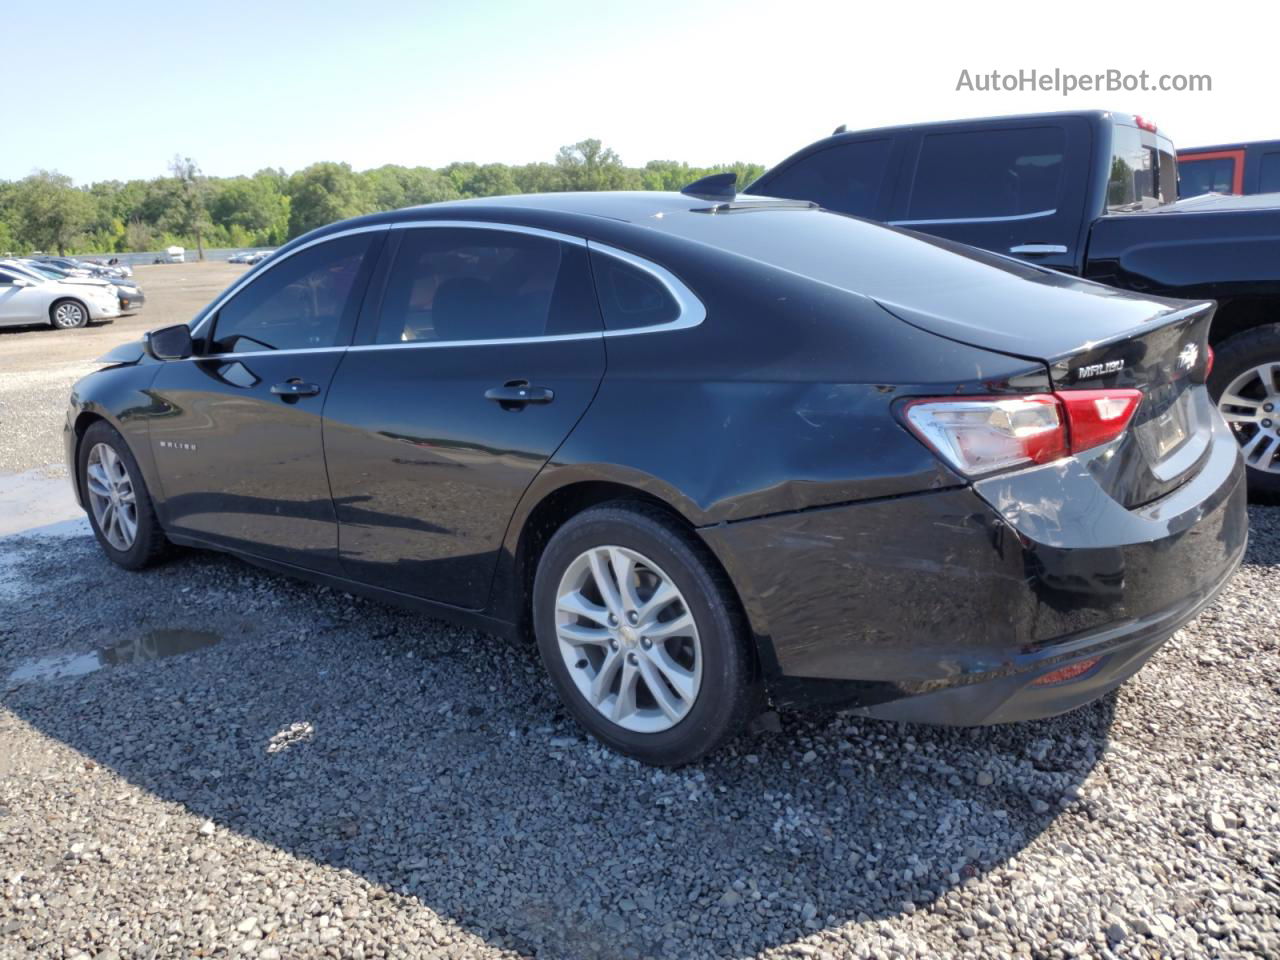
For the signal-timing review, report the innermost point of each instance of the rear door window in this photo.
(988, 173)
(462, 284)
(847, 177)
(1196, 177)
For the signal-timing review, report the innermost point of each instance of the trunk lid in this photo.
(1166, 357)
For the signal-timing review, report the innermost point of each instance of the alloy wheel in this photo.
(111, 496)
(1251, 405)
(628, 639)
(68, 315)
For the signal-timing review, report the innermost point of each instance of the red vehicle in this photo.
(1237, 168)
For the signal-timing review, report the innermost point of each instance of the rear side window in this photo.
(846, 178)
(988, 173)
(631, 297)
(301, 302)
(459, 283)
(1269, 175)
(1196, 177)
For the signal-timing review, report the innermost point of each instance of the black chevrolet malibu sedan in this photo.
(701, 449)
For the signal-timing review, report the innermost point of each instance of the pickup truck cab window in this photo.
(1269, 177)
(1142, 174)
(988, 173)
(848, 177)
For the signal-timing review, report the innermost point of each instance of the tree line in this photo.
(47, 212)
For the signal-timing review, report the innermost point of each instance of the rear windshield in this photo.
(1144, 171)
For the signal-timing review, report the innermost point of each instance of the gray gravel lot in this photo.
(311, 774)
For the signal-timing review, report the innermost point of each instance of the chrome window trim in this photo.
(268, 264)
(491, 225)
(692, 311)
(1019, 216)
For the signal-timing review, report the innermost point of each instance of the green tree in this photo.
(323, 193)
(253, 210)
(51, 213)
(590, 165)
(189, 215)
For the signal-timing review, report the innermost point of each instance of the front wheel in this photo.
(641, 634)
(68, 315)
(119, 505)
(1246, 385)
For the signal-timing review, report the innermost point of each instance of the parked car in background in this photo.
(127, 291)
(61, 304)
(1092, 194)
(241, 257)
(824, 456)
(1239, 168)
(175, 254)
(257, 257)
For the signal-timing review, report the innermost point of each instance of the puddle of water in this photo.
(40, 502)
(149, 646)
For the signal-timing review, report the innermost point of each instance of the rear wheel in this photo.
(119, 505)
(68, 314)
(640, 632)
(1246, 383)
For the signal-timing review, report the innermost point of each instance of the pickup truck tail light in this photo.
(982, 435)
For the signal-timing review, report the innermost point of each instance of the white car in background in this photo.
(63, 304)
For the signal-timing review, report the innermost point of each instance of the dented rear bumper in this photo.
(947, 606)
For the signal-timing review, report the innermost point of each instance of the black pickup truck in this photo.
(1089, 193)
(1229, 168)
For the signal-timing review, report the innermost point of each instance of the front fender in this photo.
(120, 395)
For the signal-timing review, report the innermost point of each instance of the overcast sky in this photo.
(118, 88)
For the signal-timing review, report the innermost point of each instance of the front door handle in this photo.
(1038, 249)
(514, 394)
(291, 390)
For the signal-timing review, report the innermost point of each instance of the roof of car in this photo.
(572, 212)
(1243, 145)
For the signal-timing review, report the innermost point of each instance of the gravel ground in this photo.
(209, 760)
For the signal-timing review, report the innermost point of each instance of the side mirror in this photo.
(170, 343)
(22, 282)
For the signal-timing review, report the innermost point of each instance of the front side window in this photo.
(846, 177)
(988, 173)
(464, 283)
(299, 303)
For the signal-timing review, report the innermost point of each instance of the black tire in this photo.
(68, 307)
(149, 543)
(729, 690)
(1234, 357)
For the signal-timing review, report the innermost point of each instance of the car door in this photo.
(483, 351)
(1017, 189)
(21, 300)
(237, 436)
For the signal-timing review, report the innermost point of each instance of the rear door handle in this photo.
(514, 394)
(291, 390)
(1038, 249)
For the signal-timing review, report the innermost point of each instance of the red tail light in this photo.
(1208, 361)
(981, 435)
(1095, 417)
(1145, 124)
